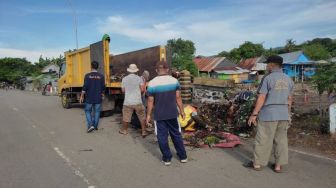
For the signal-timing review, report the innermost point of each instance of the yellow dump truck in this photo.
(78, 63)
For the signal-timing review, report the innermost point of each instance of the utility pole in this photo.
(74, 22)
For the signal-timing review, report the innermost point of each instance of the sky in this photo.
(30, 28)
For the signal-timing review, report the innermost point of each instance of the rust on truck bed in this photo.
(145, 59)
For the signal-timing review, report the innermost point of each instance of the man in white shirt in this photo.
(132, 85)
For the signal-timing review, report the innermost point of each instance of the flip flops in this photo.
(275, 170)
(123, 132)
(250, 165)
(144, 135)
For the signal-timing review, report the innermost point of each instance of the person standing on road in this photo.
(145, 79)
(273, 108)
(132, 85)
(164, 97)
(93, 89)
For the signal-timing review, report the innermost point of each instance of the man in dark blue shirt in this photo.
(93, 89)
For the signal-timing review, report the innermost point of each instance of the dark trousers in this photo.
(171, 127)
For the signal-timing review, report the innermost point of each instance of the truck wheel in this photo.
(65, 100)
(106, 113)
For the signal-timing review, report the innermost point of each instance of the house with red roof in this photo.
(221, 68)
(255, 65)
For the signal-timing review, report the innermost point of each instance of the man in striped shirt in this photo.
(164, 97)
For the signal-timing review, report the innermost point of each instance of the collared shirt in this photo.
(131, 84)
(94, 87)
(277, 87)
(163, 89)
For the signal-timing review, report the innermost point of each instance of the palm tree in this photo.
(290, 45)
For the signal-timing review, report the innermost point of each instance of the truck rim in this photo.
(64, 100)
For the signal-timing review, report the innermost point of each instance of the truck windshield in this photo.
(62, 70)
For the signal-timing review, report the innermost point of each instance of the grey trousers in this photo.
(271, 133)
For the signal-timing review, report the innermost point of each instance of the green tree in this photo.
(224, 54)
(290, 45)
(325, 79)
(270, 52)
(249, 50)
(245, 50)
(12, 69)
(235, 55)
(58, 61)
(316, 52)
(183, 53)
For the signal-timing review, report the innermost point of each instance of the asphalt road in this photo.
(44, 145)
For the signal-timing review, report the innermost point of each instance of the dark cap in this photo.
(274, 59)
(162, 65)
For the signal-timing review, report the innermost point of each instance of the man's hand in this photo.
(148, 119)
(183, 115)
(81, 99)
(252, 120)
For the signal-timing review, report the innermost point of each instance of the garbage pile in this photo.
(217, 124)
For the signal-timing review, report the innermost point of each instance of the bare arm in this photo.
(260, 102)
(81, 99)
(84, 89)
(150, 104)
(179, 103)
(142, 88)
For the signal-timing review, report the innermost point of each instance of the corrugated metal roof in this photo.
(231, 70)
(207, 64)
(291, 57)
(253, 64)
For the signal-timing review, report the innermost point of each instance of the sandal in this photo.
(250, 165)
(144, 135)
(123, 132)
(275, 170)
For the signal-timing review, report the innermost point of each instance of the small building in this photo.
(221, 68)
(255, 65)
(297, 65)
(52, 68)
(235, 73)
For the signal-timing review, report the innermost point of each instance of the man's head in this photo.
(132, 68)
(94, 65)
(274, 62)
(145, 74)
(162, 68)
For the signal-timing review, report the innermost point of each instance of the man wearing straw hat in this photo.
(132, 85)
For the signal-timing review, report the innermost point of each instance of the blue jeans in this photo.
(171, 127)
(92, 113)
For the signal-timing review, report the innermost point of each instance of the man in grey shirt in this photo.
(132, 85)
(273, 111)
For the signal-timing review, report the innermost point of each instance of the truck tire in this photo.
(65, 100)
(108, 106)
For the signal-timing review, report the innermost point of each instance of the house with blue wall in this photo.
(298, 66)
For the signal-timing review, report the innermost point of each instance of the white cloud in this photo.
(221, 28)
(154, 33)
(30, 55)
